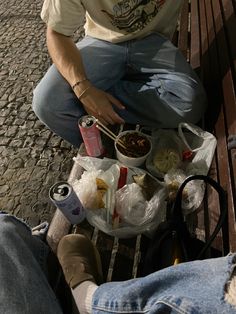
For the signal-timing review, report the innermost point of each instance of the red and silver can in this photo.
(65, 198)
(91, 136)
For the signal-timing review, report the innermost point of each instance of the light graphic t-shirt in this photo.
(110, 20)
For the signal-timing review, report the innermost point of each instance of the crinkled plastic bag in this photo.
(193, 192)
(166, 153)
(131, 209)
(137, 214)
(86, 187)
(149, 216)
(188, 140)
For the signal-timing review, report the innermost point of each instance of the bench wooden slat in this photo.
(183, 36)
(209, 54)
(229, 16)
(226, 72)
(210, 71)
(212, 207)
(195, 36)
(227, 119)
(123, 266)
(105, 243)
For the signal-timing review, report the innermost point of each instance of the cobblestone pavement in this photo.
(31, 157)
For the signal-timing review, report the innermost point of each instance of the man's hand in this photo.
(99, 104)
(68, 61)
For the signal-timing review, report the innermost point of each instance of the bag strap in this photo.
(176, 210)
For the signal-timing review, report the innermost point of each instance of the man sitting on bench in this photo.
(125, 69)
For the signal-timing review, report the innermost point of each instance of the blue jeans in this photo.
(189, 288)
(23, 271)
(196, 287)
(149, 76)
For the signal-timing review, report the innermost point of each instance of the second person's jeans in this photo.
(190, 288)
(149, 76)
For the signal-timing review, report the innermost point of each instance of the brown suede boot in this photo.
(79, 260)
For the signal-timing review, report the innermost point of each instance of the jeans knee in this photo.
(40, 104)
(9, 225)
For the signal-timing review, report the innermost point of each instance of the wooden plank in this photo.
(212, 205)
(105, 245)
(229, 114)
(144, 242)
(183, 38)
(209, 214)
(211, 71)
(203, 30)
(211, 74)
(225, 69)
(195, 36)
(123, 265)
(229, 17)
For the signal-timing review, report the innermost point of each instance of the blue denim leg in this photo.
(55, 103)
(24, 286)
(197, 287)
(161, 89)
(150, 77)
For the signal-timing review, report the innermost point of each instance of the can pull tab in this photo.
(63, 191)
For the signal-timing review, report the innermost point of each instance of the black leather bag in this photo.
(172, 242)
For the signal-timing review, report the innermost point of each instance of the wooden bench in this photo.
(206, 36)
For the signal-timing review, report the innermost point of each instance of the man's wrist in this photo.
(82, 88)
(77, 83)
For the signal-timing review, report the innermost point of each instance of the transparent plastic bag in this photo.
(150, 216)
(173, 147)
(193, 192)
(201, 143)
(193, 149)
(137, 215)
(166, 153)
(87, 186)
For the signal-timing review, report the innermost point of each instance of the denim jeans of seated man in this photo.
(150, 77)
(195, 287)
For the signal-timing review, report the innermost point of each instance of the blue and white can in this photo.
(64, 197)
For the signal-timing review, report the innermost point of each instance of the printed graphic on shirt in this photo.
(134, 15)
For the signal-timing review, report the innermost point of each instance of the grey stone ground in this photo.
(31, 157)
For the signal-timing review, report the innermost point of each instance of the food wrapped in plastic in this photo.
(93, 185)
(139, 211)
(166, 159)
(137, 216)
(193, 192)
(166, 153)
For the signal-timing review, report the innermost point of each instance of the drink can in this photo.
(64, 197)
(91, 136)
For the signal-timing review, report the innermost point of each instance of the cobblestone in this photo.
(31, 157)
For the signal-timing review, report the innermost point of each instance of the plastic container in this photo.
(131, 161)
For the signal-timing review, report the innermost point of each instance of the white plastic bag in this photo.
(151, 216)
(137, 214)
(200, 145)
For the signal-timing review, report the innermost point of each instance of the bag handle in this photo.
(177, 206)
(196, 130)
